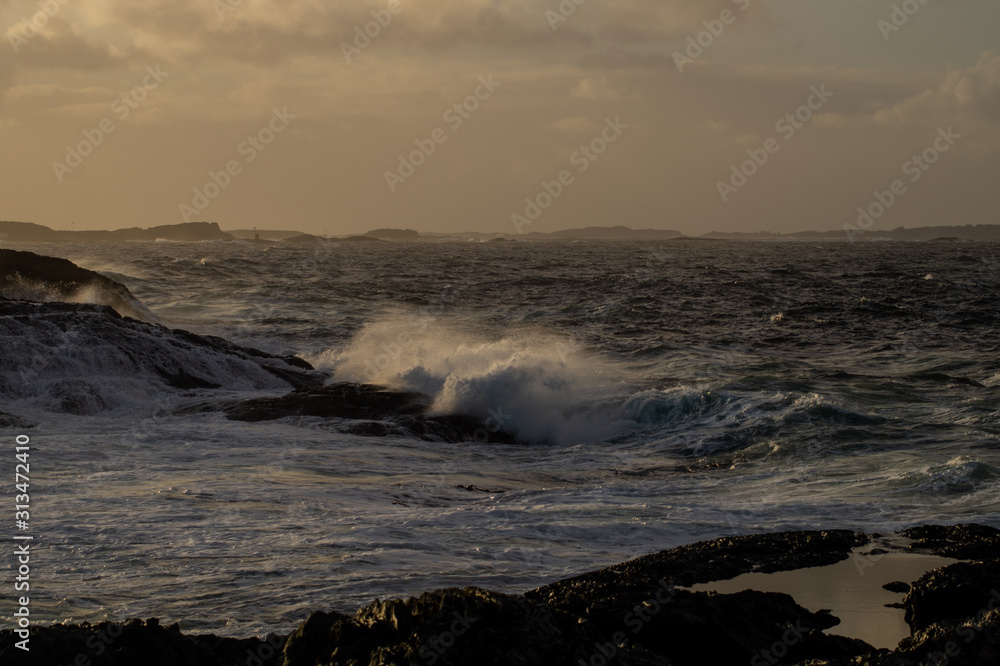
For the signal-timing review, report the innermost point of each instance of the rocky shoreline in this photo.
(637, 613)
(51, 307)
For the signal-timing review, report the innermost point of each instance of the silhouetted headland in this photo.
(26, 232)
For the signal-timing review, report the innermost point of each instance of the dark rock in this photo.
(33, 277)
(85, 359)
(897, 586)
(698, 628)
(953, 592)
(477, 489)
(383, 412)
(454, 428)
(453, 627)
(135, 642)
(13, 422)
(225, 346)
(736, 626)
(77, 396)
(183, 380)
(971, 642)
(959, 541)
(634, 581)
(345, 401)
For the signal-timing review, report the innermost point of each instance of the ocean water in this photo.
(667, 393)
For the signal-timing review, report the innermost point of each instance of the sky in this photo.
(500, 115)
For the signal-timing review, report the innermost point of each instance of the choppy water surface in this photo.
(673, 392)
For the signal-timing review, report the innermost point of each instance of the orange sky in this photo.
(286, 115)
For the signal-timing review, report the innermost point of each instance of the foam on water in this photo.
(544, 386)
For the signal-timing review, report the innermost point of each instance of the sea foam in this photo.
(544, 386)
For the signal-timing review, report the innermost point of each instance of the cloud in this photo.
(58, 101)
(60, 45)
(716, 125)
(973, 92)
(596, 89)
(265, 32)
(969, 97)
(575, 124)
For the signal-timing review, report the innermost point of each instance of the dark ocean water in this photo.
(669, 391)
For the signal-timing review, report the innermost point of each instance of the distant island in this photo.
(968, 232)
(26, 232)
(302, 237)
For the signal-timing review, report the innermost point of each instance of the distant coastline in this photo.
(26, 232)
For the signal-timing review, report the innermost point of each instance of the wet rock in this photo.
(185, 381)
(85, 359)
(344, 401)
(953, 592)
(14, 422)
(77, 396)
(135, 642)
(953, 611)
(897, 586)
(454, 627)
(640, 599)
(455, 428)
(33, 277)
(703, 562)
(296, 372)
(978, 542)
(381, 412)
(974, 641)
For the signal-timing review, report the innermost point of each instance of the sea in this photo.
(662, 392)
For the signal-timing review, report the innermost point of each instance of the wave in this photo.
(25, 276)
(91, 294)
(543, 386)
(549, 387)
